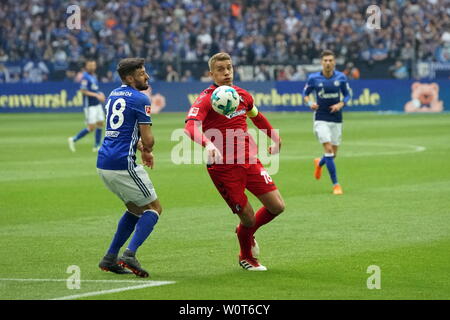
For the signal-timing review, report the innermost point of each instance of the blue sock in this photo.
(124, 230)
(322, 161)
(331, 168)
(98, 136)
(81, 134)
(143, 229)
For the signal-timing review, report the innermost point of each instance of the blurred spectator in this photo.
(3, 56)
(407, 52)
(399, 70)
(443, 52)
(299, 74)
(205, 77)
(236, 9)
(289, 72)
(35, 71)
(109, 77)
(171, 74)
(351, 71)
(4, 74)
(379, 53)
(187, 76)
(272, 32)
(262, 73)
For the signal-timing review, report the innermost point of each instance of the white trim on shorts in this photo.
(327, 131)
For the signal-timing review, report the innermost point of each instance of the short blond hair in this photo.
(221, 56)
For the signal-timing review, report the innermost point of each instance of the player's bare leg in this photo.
(335, 150)
(273, 202)
(247, 216)
(273, 205)
(71, 140)
(328, 147)
(148, 216)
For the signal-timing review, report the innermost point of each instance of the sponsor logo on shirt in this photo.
(112, 134)
(148, 110)
(193, 112)
(324, 95)
(236, 113)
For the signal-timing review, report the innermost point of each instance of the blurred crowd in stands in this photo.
(178, 36)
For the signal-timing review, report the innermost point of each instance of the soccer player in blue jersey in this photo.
(328, 86)
(128, 128)
(92, 103)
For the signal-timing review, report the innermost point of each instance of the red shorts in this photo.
(232, 180)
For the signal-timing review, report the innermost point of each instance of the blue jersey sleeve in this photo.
(345, 89)
(143, 110)
(84, 84)
(309, 86)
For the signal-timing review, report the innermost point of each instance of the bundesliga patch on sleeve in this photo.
(193, 112)
(148, 110)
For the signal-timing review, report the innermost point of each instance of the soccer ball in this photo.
(225, 100)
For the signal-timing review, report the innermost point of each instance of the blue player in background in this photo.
(128, 128)
(92, 103)
(328, 86)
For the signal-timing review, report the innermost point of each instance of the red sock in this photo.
(262, 217)
(245, 240)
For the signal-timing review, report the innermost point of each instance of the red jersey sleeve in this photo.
(247, 99)
(198, 112)
(199, 108)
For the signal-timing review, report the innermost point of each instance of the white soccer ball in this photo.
(225, 100)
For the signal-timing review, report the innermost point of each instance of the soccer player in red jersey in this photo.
(232, 161)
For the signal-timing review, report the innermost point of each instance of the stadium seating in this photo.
(36, 45)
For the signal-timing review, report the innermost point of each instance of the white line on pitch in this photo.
(97, 293)
(349, 154)
(64, 280)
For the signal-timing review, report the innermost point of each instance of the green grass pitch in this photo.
(395, 214)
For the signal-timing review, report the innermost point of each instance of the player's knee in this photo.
(247, 218)
(156, 207)
(278, 208)
(91, 127)
(248, 222)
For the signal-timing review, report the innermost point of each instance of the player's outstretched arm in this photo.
(193, 131)
(100, 96)
(261, 122)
